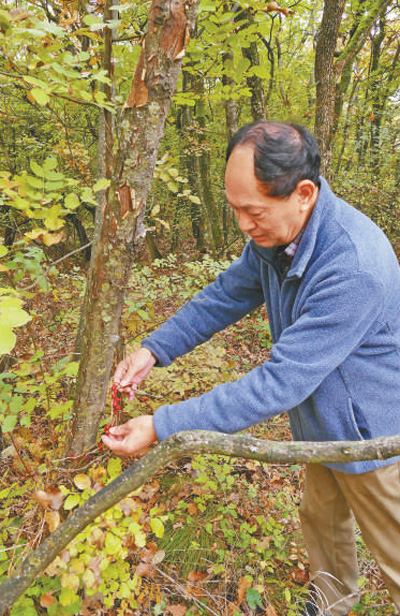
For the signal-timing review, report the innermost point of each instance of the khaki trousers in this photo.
(330, 503)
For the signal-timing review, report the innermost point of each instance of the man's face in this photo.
(270, 221)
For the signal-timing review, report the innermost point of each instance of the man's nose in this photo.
(246, 222)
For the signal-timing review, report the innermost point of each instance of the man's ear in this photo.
(307, 193)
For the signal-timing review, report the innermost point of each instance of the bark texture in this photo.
(179, 445)
(141, 128)
(325, 78)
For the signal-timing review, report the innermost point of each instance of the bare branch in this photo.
(179, 445)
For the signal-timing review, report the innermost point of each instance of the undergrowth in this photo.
(208, 535)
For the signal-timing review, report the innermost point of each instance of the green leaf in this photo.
(53, 176)
(114, 467)
(157, 527)
(34, 182)
(40, 96)
(67, 596)
(5, 21)
(51, 27)
(49, 164)
(11, 313)
(72, 201)
(37, 169)
(3, 250)
(50, 186)
(253, 598)
(52, 220)
(194, 199)
(89, 20)
(112, 544)
(137, 532)
(100, 97)
(71, 369)
(101, 185)
(72, 501)
(9, 423)
(33, 81)
(7, 339)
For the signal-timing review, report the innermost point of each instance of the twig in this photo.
(29, 471)
(51, 265)
(184, 591)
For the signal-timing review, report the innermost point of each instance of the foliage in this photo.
(236, 523)
(47, 196)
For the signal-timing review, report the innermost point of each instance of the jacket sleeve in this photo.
(333, 322)
(234, 293)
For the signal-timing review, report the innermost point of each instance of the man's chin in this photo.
(263, 241)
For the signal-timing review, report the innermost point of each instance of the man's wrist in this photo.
(151, 354)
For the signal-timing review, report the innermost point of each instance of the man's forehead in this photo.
(246, 206)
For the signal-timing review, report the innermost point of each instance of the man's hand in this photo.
(131, 438)
(132, 370)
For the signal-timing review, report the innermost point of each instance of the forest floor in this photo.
(230, 543)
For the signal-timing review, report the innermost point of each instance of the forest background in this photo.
(89, 160)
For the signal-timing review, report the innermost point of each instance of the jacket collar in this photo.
(309, 239)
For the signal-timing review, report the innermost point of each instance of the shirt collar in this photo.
(291, 248)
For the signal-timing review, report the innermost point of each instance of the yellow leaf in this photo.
(82, 481)
(53, 520)
(49, 239)
(70, 580)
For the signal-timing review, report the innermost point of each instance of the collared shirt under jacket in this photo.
(335, 324)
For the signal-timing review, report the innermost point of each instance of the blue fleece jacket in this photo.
(335, 324)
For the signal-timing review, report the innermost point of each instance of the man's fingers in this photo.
(119, 372)
(121, 430)
(131, 377)
(117, 446)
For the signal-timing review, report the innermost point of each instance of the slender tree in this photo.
(140, 130)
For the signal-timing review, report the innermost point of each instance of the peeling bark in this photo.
(140, 131)
(179, 445)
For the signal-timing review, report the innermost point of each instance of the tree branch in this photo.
(358, 38)
(179, 445)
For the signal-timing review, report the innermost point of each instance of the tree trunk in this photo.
(152, 248)
(81, 233)
(141, 128)
(105, 162)
(186, 128)
(230, 107)
(378, 101)
(202, 165)
(325, 79)
(255, 84)
(180, 445)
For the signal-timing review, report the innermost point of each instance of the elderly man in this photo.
(331, 284)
